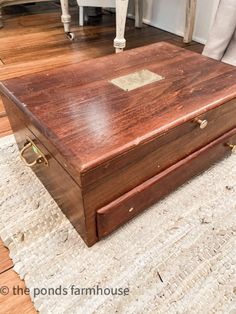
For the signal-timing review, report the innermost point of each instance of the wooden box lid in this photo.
(90, 120)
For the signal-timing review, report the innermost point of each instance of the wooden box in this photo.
(111, 136)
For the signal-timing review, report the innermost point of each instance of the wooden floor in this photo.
(33, 40)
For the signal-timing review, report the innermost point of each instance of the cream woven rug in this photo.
(177, 257)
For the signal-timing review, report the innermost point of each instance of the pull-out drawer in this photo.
(116, 213)
(136, 166)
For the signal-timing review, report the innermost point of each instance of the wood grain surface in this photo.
(55, 178)
(109, 140)
(137, 165)
(41, 28)
(91, 121)
(130, 204)
(31, 55)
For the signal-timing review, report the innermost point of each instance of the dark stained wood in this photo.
(155, 156)
(123, 173)
(94, 114)
(57, 181)
(20, 57)
(130, 204)
(34, 28)
(108, 140)
(43, 32)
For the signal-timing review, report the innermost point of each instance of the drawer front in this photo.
(142, 163)
(113, 215)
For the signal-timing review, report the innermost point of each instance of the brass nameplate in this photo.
(137, 79)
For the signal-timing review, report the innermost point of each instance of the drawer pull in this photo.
(202, 123)
(41, 159)
(232, 146)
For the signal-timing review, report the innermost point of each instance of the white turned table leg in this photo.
(190, 20)
(1, 20)
(121, 13)
(81, 16)
(138, 13)
(66, 18)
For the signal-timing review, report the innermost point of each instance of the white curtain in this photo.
(221, 44)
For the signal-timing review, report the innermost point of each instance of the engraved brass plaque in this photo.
(137, 79)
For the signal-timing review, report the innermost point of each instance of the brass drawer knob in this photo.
(40, 159)
(131, 209)
(202, 123)
(233, 147)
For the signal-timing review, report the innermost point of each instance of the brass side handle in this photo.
(40, 159)
(202, 123)
(232, 146)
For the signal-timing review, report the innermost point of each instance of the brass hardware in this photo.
(202, 123)
(232, 146)
(131, 209)
(135, 80)
(41, 159)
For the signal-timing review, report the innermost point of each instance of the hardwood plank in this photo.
(44, 32)
(2, 109)
(5, 260)
(5, 128)
(14, 304)
(30, 67)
